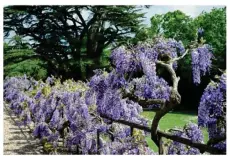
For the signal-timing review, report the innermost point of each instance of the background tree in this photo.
(72, 38)
(175, 25)
(141, 35)
(156, 25)
(214, 25)
(17, 60)
(180, 26)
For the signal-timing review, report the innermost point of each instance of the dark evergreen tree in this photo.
(71, 39)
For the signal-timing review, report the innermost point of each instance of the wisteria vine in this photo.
(64, 111)
(70, 114)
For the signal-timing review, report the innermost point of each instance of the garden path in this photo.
(18, 140)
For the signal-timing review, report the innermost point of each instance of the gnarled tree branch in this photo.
(214, 141)
(180, 57)
(143, 102)
(200, 146)
(174, 100)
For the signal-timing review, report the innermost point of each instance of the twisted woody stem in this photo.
(174, 100)
(166, 106)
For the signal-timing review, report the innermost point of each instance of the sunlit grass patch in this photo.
(172, 120)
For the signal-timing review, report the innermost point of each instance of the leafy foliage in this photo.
(175, 25)
(72, 38)
(214, 25)
(180, 26)
(17, 61)
(75, 111)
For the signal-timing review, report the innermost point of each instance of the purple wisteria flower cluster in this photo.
(124, 60)
(71, 111)
(191, 131)
(129, 59)
(201, 62)
(143, 57)
(74, 112)
(212, 110)
(109, 99)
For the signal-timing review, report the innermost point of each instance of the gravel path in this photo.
(18, 141)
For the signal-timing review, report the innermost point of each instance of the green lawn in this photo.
(172, 120)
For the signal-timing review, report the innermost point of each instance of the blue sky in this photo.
(191, 10)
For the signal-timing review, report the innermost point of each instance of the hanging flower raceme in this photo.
(124, 60)
(201, 62)
(58, 110)
(212, 110)
(190, 131)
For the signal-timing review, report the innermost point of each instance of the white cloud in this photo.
(193, 11)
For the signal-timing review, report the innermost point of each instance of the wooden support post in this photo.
(112, 138)
(98, 142)
(79, 148)
(131, 130)
(111, 135)
(161, 146)
(78, 152)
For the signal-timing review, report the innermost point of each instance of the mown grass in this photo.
(172, 120)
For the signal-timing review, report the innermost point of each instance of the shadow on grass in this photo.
(184, 112)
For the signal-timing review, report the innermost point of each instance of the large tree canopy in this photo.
(214, 25)
(70, 38)
(180, 26)
(17, 60)
(175, 24)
